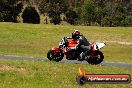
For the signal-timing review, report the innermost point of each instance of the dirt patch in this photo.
(13, 68)
(124, 43)
(118, 42)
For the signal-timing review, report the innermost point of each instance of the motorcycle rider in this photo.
(83, 44)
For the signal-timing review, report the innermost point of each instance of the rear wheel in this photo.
(97, 58)
(55, 56)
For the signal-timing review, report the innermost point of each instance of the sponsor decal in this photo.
(83, 78)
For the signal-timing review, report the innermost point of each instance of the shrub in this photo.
(56, 19)
(71, 17)
(30, 15)
(118, 19)
(9, 10)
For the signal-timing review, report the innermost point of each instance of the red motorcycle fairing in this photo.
(72, 43)
(92, 46)
(56, 49)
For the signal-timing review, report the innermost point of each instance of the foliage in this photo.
(100, 11)
(128, 21)
(85, 12)
(106, 12)
(30, 15)
(53, 8)
(88, 12)
(71, 16)
(56, 19)
(106, 21)
(9, 10)
(118, 19)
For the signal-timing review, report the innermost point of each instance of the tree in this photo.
(56, 19)
(106, 21)
(129, 9)
(53, 8)
(100, 13)
(71, 16)
(128, 21)
(121, 13)
(75, 3)
(9, 10)
(118, 19)
(103, 12)
(88, 12)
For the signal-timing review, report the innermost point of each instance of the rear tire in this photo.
(96, 59)
(52, 56)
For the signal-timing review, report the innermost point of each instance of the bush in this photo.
(30, 15)
(88, 12)
(127, 21)
(56, 19)
(9, 10)
(106, 21)
(71, 17)
(54, 8)
(118, 19)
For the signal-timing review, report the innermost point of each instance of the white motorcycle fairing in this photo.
(98, 45)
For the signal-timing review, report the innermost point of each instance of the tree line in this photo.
(110, 13)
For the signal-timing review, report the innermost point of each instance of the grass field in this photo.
(41, 74)
(36, 40)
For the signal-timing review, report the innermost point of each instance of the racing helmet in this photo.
(76, 34)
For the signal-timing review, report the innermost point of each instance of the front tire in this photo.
(55, 56)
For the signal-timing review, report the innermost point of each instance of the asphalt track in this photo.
(104, 63)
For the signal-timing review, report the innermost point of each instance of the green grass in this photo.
(36, 40)
(42, 74)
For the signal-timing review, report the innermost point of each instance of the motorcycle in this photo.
(67, 48)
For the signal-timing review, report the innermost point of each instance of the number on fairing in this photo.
(61, 42)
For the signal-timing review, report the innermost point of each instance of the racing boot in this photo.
(82, 56)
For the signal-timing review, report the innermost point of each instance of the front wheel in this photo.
(55, 56)
(97, 58)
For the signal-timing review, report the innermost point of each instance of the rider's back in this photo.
(83, 41)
